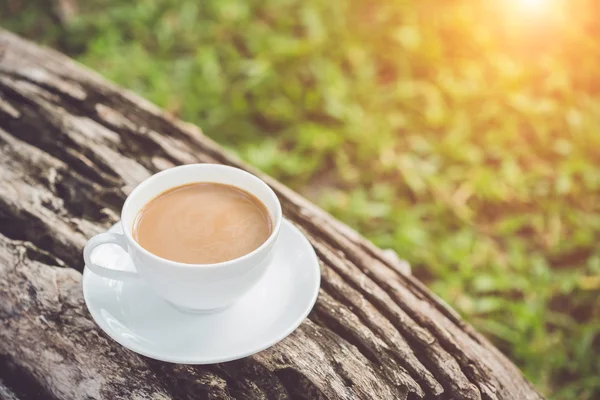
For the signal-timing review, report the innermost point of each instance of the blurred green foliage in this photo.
(462, 134)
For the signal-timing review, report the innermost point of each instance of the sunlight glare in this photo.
(533, 3)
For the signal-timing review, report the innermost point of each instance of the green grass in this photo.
(463, 134)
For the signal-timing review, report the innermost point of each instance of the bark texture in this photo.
(72, 146)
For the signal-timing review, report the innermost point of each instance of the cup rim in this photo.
(248, 175)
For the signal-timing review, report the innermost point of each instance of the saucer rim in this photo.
(195, 361)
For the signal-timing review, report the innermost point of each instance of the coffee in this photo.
(202, 223)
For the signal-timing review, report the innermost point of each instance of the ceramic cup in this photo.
(200, 288)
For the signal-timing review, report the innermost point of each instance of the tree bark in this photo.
(72, 146)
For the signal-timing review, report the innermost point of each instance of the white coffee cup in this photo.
(191, 287)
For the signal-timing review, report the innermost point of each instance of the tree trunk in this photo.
(72, 146)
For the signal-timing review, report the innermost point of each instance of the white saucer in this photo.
(131, 314)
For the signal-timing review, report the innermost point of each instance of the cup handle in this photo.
(99, 240)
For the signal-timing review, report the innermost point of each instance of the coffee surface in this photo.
(202, 223)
